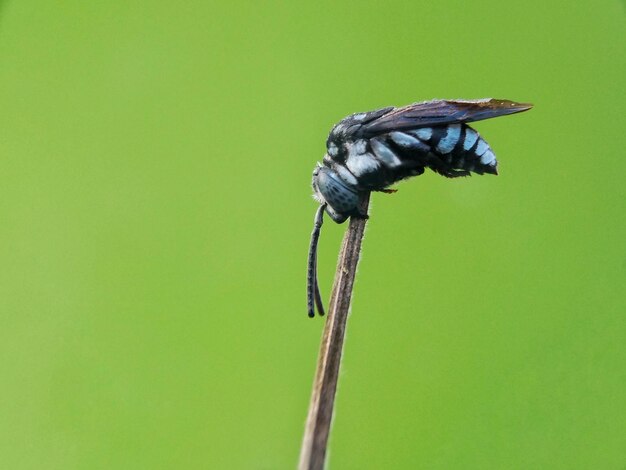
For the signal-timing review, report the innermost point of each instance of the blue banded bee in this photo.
(370, 151)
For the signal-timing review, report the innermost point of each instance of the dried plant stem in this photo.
(313, 452)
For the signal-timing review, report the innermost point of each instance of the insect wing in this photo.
(439, 112)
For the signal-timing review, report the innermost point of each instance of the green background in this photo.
(155, 213)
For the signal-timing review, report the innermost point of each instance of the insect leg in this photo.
(453, 173)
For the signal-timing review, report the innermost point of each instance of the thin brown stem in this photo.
(313, 452)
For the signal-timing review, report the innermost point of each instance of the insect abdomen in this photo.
(461, 148)
(372, 164)
(453, 150)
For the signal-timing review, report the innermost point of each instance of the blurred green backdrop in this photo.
(155, 212)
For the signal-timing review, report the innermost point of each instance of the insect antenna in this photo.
(312, 288)
(318, 296)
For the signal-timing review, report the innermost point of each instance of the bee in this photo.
(372, 150)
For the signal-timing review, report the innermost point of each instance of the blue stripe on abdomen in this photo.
(450, 139)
